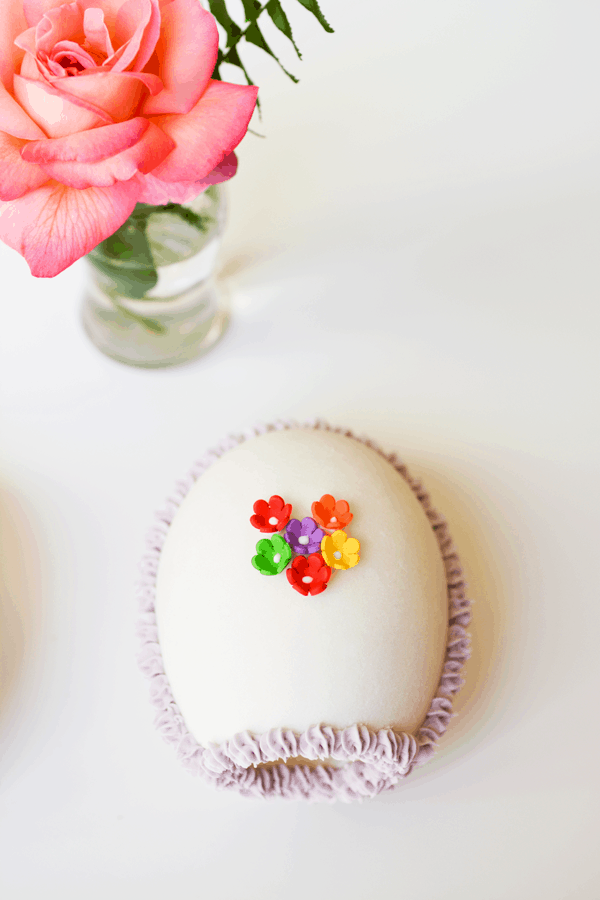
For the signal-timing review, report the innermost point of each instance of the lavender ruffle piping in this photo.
(371, 761)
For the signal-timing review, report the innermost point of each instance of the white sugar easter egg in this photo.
(272, 691)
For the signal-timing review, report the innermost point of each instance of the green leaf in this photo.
(216, 74)
(279, 18)
(233, 59)
(152, 325)
(219, 11)
(254, 36)
(188, 215)
(131, 282)
(231, 28)
(313, 7)
(252, 33)
(125, 257)
(252, 9)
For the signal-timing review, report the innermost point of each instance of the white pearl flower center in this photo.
(333, 519)
(303, 540)
(277, 558)
(273, 520)
(307, 579)
(337, 555)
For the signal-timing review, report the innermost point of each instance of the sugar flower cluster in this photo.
(319, 542)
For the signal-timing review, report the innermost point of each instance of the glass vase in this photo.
(151, 297)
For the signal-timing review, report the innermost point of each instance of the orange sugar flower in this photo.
(331, 514)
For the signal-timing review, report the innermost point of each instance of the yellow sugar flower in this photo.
(339, 551)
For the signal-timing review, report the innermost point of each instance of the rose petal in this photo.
(26, 41)
(54, 111)
(208, 133)
(30, 68)
(110, 8)
(17, 177)
(129, 15)
(55, 225)
(142, 157)
(96, 33)
(155, 191)
(136, 32)
(88, 146)
(34, 66)
(152, 82)
(187, 52)
(12, 23)
(35, 9)
(70, 50)
(118, 94)
(64, 23)
(14, 120)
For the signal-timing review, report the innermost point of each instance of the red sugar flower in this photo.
(331, 515)
(272, 516)
(309, 574)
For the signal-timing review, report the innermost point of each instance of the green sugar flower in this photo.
(272, 555)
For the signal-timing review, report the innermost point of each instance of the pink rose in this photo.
(104, 103)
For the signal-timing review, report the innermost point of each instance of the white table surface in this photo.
(412, 252)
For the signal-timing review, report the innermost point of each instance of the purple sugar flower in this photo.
(304, 537)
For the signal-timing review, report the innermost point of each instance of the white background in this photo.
(412, 252)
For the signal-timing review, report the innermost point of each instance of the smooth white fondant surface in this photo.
(244, 651)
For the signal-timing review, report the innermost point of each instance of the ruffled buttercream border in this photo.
(365, 762)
